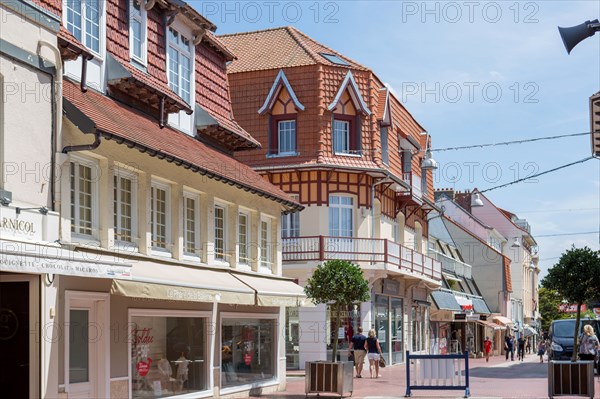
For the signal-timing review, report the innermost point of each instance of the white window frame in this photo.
(220, 257)
(290, 141)
(278, 354)
(158, 185)
(287, 221)
(340, 207)
(244, 260)
(266, 245)
(133, 312)
(95, 214)
(195, 197)
(336, 139)
(133, 177)
(83, 36)
(142, 19)
(181, 50)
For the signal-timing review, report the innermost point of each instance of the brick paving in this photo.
(496, 379)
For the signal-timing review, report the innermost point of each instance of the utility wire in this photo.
(511, 142)
(566, 234)
(537, 174)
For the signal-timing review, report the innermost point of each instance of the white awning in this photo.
(178, 283)
(274, 291)
(502, 320)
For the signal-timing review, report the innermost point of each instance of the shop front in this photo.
(389, 319)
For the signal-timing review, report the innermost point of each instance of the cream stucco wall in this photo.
(111, 158)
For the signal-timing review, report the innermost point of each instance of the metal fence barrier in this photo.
(437, 372)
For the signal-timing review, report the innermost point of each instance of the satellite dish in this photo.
(573, 35)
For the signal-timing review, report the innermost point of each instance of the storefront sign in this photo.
(568, 308)
(460, 316)
(66, 265)
(17, 226)
(391, 287)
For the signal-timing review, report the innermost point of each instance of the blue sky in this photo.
(473, 73)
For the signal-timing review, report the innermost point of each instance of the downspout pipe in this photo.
(57, 89)
(84, 147)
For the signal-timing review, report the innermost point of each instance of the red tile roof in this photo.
(153, 83)
(212, 91)
(278, 48)
(128, 126)
(69, 46)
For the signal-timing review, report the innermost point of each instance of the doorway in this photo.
(86, 344)
(18, 320)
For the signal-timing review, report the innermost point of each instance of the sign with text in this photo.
(569, 308)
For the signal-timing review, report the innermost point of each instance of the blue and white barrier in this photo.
(437, 372)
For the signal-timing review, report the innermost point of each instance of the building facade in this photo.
(151, 260)
(520, 246)
(338, 140)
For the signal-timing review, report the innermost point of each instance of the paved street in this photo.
(496, 379)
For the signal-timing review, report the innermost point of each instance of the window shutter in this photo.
(384, 145)
(273, 136)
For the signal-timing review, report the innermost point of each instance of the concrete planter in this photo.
(329, 377)
(571, 378)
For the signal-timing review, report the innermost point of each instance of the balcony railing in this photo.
(452, 265)
(322, 248)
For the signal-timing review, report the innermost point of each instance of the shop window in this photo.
(349, 323)
(168, 353)
(248, 351)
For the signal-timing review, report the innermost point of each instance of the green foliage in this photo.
(337, 282)
(549, 302)
(575, 279)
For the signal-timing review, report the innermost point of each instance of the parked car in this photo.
(561, 337)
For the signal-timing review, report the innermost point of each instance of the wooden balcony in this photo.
(379, 252)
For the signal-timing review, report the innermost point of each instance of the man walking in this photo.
(358, 344)
(509, 346)
(521, 348)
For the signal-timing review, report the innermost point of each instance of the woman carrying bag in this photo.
(373, 353)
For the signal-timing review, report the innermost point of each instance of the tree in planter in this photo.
(338, 283)
(575, 279)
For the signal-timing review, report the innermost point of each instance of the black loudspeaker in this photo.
(573, 35)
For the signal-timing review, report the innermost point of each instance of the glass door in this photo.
(382, 324)
(397, 330)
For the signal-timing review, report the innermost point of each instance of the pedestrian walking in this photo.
(541, 350)
(528, 345)
(509, 347)
(373, 352)
(588, 344)
(357, 343)
(521, 348)
(487, 348)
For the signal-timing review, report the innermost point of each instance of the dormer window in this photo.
(283, 106)
(83, 21)
(138, 37)
(180, 64)
(348, 106)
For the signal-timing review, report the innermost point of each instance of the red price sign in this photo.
(248, 359)
(143, 367)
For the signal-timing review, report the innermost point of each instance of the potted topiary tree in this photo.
(338, 283)
(575, 279)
